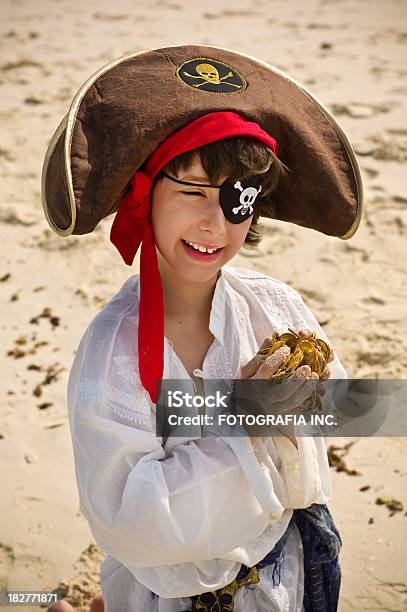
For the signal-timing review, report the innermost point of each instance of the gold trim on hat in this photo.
(53, 142)
(68, 123)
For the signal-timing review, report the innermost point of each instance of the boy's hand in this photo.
(264, 367)
(286, 397)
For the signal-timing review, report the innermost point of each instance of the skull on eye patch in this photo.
(237, 198)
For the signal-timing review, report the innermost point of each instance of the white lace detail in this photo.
(138, 418)
(90, 389)
(127, 367)
(118, 401)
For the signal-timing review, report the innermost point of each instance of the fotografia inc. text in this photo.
(249, 420)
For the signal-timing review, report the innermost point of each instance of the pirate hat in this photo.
(126, 109)
(136, 114)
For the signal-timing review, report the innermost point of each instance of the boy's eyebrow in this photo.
(183, 182)
(191, 177)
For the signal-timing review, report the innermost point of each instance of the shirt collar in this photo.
(217, 316)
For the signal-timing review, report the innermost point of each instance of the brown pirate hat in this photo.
(124, 111)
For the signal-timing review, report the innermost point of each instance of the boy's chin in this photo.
(198, 275)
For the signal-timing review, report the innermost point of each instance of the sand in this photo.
(351, 54)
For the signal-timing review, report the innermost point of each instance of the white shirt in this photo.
(181, 519)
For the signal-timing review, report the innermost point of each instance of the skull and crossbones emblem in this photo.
(246, 198)
(209, 74)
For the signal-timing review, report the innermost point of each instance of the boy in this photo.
(184, 520)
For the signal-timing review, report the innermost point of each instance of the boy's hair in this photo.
(237, 158)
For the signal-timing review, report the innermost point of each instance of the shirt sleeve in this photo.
(304, 470)
(146, 509)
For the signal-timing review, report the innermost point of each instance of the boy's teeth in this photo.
(200, 248)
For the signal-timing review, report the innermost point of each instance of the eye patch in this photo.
(237, 198)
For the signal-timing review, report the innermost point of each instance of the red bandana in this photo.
(132, 226)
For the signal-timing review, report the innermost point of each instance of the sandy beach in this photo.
(352, 55)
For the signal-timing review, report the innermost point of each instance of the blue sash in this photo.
(321, 544)
(322, 574)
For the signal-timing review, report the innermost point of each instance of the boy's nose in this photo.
(213, 220)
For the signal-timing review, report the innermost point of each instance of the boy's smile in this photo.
(190, 229)
(202, 252)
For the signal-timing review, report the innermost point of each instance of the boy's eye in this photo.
(193, 193)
